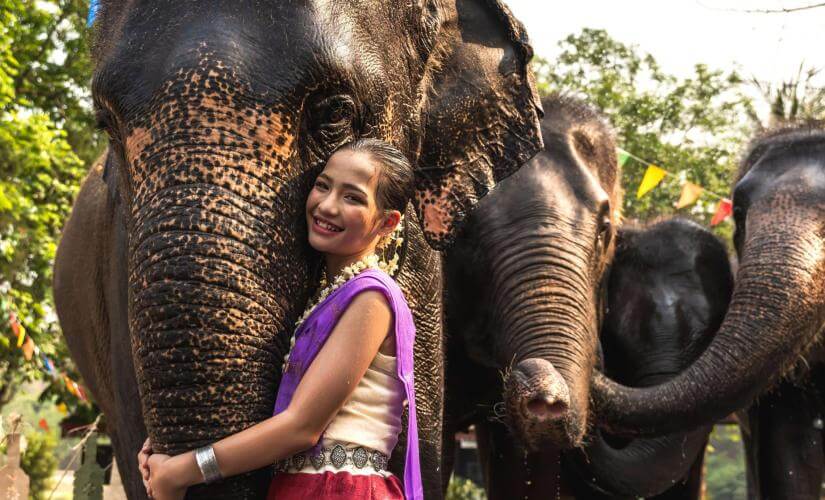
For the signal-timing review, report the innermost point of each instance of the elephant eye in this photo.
(605, 226)
(334, 111)
(105, 122)
(738, 214)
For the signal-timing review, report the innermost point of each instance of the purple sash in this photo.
(314, 331)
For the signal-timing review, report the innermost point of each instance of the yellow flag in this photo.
(21, 336)
(653, 176)
(690, 193)
(62, 408)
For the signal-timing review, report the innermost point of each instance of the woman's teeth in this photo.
(327, 226)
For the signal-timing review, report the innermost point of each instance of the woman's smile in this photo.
(324, 227)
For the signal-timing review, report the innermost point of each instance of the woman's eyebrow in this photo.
(353, 187)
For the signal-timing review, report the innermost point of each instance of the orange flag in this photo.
(43, 424)
(28, 349)
(69, 385)
(723, 211)
(690, 193)
(653, 176)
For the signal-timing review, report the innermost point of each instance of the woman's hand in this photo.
(143, 464)
(164, 480)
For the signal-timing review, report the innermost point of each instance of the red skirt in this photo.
(334, 486)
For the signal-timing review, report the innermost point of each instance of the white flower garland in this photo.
(371, 261)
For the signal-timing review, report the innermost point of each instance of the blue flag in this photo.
(94, 6)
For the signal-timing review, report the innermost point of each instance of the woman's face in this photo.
(341, 210)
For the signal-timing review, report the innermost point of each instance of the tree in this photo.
(796, 99)
(46, 138)
(692, 127)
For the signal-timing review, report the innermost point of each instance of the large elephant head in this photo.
(669, 288)
(777, 311)
(525, 276)
(221, 113)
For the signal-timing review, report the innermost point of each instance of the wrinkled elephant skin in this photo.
(219, 116)
(776, 317)
(524, 285)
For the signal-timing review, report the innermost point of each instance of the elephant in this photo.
(771, 337)
(669, 288)
(524, 287)
(782, 433)
(184, 263)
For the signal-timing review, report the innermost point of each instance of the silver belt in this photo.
(337, 456)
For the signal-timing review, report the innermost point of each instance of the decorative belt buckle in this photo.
(318, 458)
(379, 461)
(338, 456)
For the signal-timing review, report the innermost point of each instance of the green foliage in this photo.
(725, 464)
(46, 139)
(39, 463)
(464, 489)
(693, 127)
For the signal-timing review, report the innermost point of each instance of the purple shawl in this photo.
(314, 331)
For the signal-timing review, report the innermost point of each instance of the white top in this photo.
(371, 417)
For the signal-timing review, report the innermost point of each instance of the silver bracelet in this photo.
(208, 464)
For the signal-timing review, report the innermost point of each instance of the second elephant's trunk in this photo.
(645, 467)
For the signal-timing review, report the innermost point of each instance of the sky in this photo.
(681, 33)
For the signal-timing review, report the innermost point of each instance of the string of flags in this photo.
(691, 192)
(31, 351)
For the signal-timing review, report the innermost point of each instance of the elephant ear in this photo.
(481, 116)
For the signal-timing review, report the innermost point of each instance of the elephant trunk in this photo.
(645, 467)
(205, 316)
(775, 315)
(545, 307)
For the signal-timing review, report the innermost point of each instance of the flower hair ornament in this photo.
(386, 258)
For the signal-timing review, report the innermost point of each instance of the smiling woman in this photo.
(335, 424)
(342, 206)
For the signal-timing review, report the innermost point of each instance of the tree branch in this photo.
(767, 11)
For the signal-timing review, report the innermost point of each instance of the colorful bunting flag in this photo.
(69, 385)
(48, 364)
(76, 389)
(94, 7)
(28, 349)
(43, 424)
(21, 336)
(15, 326)
(62, 408)
(723, 210)
(653, 176)
(623, 157)
(690, 193)
(81, 393)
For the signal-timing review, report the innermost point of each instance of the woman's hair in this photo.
(395, 174)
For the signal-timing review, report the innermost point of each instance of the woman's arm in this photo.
(325, 387)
